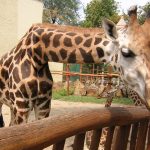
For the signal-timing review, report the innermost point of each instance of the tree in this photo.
(61, 11)
(143, 12)
(96, 10)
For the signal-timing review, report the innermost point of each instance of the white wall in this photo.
(16, 17)
(8, 25)
(29, 12)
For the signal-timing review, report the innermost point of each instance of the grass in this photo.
(62, 95)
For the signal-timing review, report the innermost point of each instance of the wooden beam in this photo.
(42, 133)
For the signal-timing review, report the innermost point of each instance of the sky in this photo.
(123, 4)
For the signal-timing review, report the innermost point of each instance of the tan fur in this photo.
(67, 28)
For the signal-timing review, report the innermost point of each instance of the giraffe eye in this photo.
(127, 52)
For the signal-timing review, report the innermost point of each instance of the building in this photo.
(16, 17)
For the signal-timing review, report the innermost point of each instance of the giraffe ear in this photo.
(110, 29)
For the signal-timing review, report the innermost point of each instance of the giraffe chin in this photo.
(147, 104)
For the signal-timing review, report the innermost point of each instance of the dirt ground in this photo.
(58, 107)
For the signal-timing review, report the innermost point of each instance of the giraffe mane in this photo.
(75, 29)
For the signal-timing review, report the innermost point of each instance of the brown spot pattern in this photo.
(46, 39)
(11, 67)
(8, 62)
(88, 42)
(20, 55)
(20, 120)
(33, 88)
(45, 58)
(87, 56)
(38, 51)
(97, 41)
(45, 87)
(11, 95)
(67, 42)
(18, 94)
(39, 31)
(100, 52)
(24, 91)
(78, 40)
(7, 94)
(4, 73)
(54, 56)
(28, 40)
(63, 53)
(2, 85)
(46, 105)
(36, 39)
(41, 100)
(38, 61)
(72, 57)
(18, 46)
(48, 73)
(24, 104)
(25, 69)
(71, 33)
(56, 42)
(105, 43)
(16, 75)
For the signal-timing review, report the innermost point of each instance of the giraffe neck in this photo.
(72, 45)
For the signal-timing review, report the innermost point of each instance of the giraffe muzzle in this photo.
(148, 104)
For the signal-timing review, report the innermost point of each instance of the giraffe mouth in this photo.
(148, 104)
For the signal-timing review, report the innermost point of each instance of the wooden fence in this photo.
(132, 123)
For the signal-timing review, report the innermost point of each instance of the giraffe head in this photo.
(133, 53)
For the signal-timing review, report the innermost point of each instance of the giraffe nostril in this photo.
(104, 60)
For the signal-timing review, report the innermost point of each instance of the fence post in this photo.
(122, 138)
(59, 145)
(141, 138)
(79, 141)
(67, 76)
(95, 139)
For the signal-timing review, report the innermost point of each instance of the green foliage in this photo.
(96, 10)
(88, 99)
(61, 11)
(144, 10)
(63, 92)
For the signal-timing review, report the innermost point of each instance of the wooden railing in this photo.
(132, 126)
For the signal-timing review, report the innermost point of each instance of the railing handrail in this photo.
(45, 132)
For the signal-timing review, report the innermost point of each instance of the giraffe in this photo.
(25, 79)
(117, 64)
(110, 95)
(132, 56)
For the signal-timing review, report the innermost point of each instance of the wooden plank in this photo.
(59, 145)
(45, 132)
(122, 138)
(95, 139)
(109, 138)
(141, 138)
(148, 137)
(79, 142)
(133, 136)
